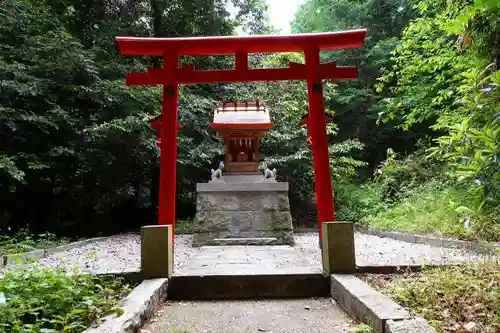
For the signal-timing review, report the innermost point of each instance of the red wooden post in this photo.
(156, 125)
(305, 122)
(168, 156)
(317, 131)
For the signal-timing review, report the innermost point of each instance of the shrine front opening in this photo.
(171, 76)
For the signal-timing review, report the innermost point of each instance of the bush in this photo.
(49, 301)
(430, 208)
(354, 202)
(416, 194)
(396, 176)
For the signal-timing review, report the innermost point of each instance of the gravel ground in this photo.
(378, 251)
(122, 253)
(114, 254)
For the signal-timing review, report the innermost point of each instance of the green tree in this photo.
(76, 147)
(446, 72)
(355, 101)
(64, 126)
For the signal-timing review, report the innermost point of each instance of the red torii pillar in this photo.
(170, 76)
(305, 122)
(156, 125)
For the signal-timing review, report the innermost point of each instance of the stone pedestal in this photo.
(339, 255)
(156, 251)
(241, 213)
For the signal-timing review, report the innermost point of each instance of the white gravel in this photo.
(122, 253)
(114, 254)
(378, 251)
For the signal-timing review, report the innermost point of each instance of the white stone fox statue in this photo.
(268, 174)
(217, 174)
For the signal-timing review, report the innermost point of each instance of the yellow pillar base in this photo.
(338, 247)
(157, 259)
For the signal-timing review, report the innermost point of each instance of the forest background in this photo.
(414, 142)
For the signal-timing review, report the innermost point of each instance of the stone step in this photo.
(281, 284)
(246, 272)
(245, 241)
(319, 315)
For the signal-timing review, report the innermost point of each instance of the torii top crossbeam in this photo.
(193, 46)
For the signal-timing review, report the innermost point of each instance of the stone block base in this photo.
(243, 214)
(156, 251)
(338, 247)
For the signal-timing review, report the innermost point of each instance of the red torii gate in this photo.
(170, 76)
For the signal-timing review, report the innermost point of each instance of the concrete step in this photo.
(245, 272)
(292, 283)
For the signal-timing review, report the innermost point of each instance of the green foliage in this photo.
(446, 72)
(416, 195)
(184, 227)
(25, 242)
(473, 146)
(426, 56)
(355, 202)
(354, 102)
(363, 328)
(46, 300)
(395, 176)
(65, 125)
(434, 66)
(395, 179)
(453, 299)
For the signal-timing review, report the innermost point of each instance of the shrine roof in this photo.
(237, 114)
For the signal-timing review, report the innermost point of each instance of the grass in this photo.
(49, 301)
(452, 299)
(431, 208)
(25, 242)
(427, 210)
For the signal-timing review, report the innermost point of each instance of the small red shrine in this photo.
(241, 125)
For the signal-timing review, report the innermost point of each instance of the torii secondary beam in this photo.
(188, 75)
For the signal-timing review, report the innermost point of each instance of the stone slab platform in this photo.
(239, 272)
